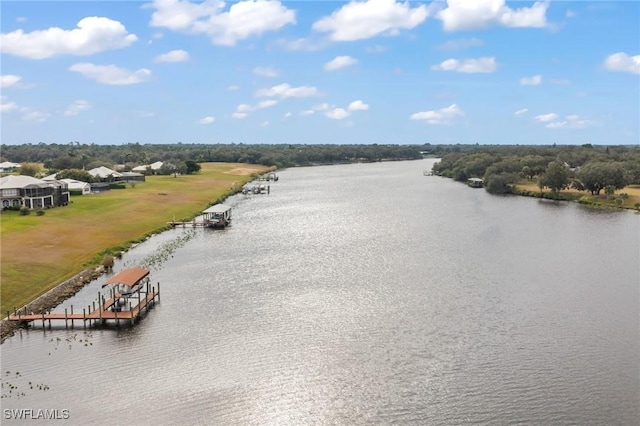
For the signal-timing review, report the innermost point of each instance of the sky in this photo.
(320, 72)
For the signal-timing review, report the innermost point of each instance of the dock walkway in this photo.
(109, 309)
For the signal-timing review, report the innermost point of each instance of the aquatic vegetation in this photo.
(11, 388)
(166, 250)
(71, 339)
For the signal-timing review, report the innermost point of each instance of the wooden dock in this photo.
(114, 309)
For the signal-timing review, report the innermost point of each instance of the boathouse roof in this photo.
(128, 277)
(218, 208)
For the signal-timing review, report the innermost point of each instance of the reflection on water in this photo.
(363, 294)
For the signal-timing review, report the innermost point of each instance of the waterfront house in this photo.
(17, 191)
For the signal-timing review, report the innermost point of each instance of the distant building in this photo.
(105, 174)
(17, 191)
(77, 185)
(132, 177)
(8, 167)
(146, 168)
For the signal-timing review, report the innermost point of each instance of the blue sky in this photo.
(375, 71)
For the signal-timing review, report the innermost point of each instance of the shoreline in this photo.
(51, 299)
(68, 288)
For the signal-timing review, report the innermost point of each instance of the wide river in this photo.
(362, 294)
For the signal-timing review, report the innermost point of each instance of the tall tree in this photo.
(556, 177)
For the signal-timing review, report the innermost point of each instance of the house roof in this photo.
(72, 183)
(103, 172)
(152, 166)
(8, 165)
(218, 208)
(128, 277)
(50, 177)
(17, 182)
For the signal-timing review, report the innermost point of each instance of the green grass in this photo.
(39, 252)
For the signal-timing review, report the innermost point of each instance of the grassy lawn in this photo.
(632, 190)
(39, 252)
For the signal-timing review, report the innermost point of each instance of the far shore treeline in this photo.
(582, 168)
(76, 155)
(587, 167)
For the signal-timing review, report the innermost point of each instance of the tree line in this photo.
(76, 155)
(585, 168)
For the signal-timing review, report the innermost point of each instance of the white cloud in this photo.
(570, 14)
(266, 72)
(264, 123)
(544, 118)
(243, 20)
(284, 90)
(286, 116)
(267, 103)
(34, 116)
(360, 20)
(571, 122)
(322, 107)
(111, 74)
(9, 80)
(461, 44)
(622, 62)
(337, 113)
(207, 120)
(94, 34)
(480, 65)
(561, 81)
(173, 56)
(358, 106)
(441, 116)
(233, 88)
(76, 107)
(307, 112)
(521, 111)
(339, 62)
(244, 108)
(6, 105)
(301, 44)
(531, 81)
(479, 14)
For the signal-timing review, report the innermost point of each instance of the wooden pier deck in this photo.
(103, 312)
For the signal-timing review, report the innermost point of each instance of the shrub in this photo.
(24, 211)
(108, 261)
(39, 212)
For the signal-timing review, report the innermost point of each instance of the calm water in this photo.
(366, 294)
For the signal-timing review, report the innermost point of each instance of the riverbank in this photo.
(51, 299)
(531, 189)
(40, 252)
